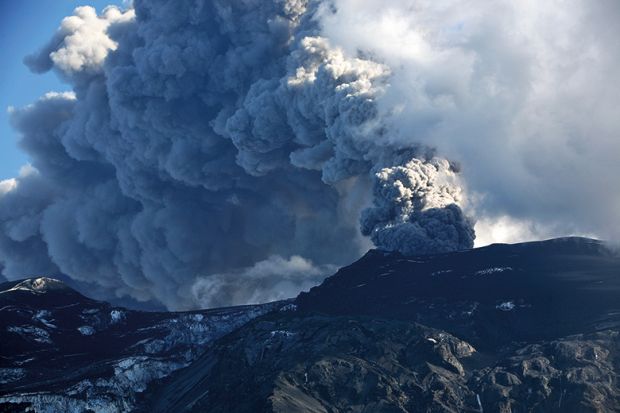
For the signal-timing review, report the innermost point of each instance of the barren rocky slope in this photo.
(507, 328)
(530, 327)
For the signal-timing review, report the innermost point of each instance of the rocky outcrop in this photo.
(342, 364)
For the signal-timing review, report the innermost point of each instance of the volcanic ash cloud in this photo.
(207, 139)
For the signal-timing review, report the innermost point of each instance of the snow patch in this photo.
(10, 375)
(281, 333)
(38, 285)
(50, 403)
(197, 317)
(439, 272)
(22, 362)
(479, 403)
(116, 316)
(31, 333)
(136, 372)
(44, 317)
(289, 307)
(86, 330)
(506, 306)
(493, 270)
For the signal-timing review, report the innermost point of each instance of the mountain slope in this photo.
(61, 351)
(491, 295)
(528, 327)
(508, 328)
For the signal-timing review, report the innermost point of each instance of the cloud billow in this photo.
(200, 139)
(208, 144)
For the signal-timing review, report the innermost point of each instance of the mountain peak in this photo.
(39, 292)
(38, 285)
(488, 295)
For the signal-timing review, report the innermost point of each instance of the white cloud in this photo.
(275, 278)
(524, 95)
(505, 229)
(7, 186)
(87, 44)
(81, 43)
(68, 95)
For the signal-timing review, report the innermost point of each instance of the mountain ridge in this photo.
(378, 336)
(507, 327)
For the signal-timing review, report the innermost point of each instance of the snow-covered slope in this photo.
(63, 352)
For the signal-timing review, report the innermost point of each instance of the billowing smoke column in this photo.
(415, 209)
(215, 152)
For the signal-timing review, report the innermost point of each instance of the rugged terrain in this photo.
(63, 352)
(528, 327)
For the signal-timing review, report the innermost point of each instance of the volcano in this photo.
(505, 328)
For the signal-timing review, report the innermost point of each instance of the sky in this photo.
(26, 25)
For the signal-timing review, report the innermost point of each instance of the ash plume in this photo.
(201, 139)
(208, 144)
(415, 209)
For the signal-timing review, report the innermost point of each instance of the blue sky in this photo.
(25, 25)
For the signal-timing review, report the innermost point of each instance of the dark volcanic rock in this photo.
(325, 364)
(508, 328)
(490, 296)
(575, 374)
(342, 364)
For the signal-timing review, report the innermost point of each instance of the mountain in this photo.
(63, 352)
(531, 327)
(489, 296)
(505, 328)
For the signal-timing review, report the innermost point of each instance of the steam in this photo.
(218, 152)
(275, 278)
(524, 95)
